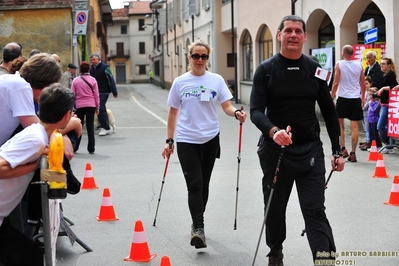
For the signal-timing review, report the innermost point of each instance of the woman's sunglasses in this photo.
(197, 56)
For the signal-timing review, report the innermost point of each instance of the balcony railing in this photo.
(119, 53)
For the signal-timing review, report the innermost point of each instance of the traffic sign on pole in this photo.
(81, 18)
(371, 36)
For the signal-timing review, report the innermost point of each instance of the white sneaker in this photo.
(369, 149)
(388, 151)
(104, 132)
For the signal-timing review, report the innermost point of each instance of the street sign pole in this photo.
(371, 36)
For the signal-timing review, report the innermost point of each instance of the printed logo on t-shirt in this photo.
(199, 93)
(292, 68)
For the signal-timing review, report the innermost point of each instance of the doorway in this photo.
(120, 73)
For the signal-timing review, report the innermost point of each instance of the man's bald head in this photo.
(348, 50)
(56, 58)
(11, 51)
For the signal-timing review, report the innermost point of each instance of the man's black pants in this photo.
(305, 165)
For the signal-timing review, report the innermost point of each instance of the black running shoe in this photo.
(198, 238)
(276, 259)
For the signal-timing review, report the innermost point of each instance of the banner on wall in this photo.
(378, 57)
(325, 58)
(360, 50)
(393, 114)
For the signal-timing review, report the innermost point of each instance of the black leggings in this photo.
(197, 161)
(16, 249)
(88, 113)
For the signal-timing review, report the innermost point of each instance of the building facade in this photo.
(130, 41)
(245, 32)
(49, 26)
(328, 25)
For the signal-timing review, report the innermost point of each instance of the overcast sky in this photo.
(115, 4)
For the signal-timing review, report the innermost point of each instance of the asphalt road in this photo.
(130, 164)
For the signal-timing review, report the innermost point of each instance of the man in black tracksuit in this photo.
(106, 84)
(286, 87)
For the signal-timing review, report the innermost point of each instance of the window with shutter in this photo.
(192, 6)
(176, 12)
(142, 47)
(162, 21)
(169, 16)
(186, 11)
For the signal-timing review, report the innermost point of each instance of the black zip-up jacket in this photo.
(289, 90)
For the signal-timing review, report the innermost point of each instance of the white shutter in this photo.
(197, 7)
(162, 21)
(176, 12)
(186, 13)
(169, 16)
(192, 6)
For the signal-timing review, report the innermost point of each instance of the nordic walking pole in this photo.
(269, 200)
(328, 179)
(163, 182)
(325, 187)
(238, 170)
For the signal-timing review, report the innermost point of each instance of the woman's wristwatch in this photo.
(170, 141)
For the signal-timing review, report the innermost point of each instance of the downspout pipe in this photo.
(167, 37)
(293, 7)
(176, 50)
(192, 28)
(233, 52)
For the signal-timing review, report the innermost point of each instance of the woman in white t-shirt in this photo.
(193, 121)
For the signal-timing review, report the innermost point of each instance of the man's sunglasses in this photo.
(197, 56)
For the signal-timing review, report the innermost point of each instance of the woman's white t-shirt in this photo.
(197, 97)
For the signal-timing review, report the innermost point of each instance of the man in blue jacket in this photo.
(106, 84)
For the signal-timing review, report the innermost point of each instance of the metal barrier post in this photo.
(45, 215)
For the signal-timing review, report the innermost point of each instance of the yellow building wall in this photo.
(49, 30)
(112, 63)
(95, 16)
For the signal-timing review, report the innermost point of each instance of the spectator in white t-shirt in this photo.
(19, 158)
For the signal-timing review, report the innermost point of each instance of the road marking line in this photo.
(149, 111)
(137, 127)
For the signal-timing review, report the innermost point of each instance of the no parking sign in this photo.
(81, 18)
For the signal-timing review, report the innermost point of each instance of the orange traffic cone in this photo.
(88, 181)
(373, 156)
(394, 197)
(139, 251)
(380, 168)
(107, 212)
(165, 261)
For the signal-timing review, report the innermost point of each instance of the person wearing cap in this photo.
(68, 76)
(34, 52)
